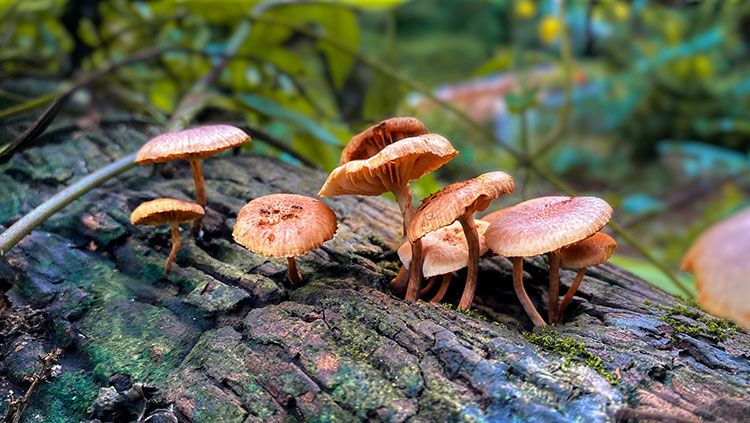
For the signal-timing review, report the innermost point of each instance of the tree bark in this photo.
(225, 338)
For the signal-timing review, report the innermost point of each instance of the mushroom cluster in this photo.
(439, 238)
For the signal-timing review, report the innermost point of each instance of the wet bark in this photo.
(226, 338)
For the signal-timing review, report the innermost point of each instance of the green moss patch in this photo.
(572, 350)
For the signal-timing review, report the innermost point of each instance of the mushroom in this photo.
(719, 261)
(592, 251)
(391, 170)
(444, 251)
(457, 201)
(543, 226)
(193, 145)
(167, 210)
(375, 138)
(284, 225)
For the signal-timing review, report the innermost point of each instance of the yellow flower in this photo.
(703, 66)
(524, 8)
(549, 29)
(621, 10)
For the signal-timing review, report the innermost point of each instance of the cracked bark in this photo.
(227, 338)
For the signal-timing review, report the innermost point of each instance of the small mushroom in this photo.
(375, 138)
(543, 226)
(167, 210)
(193, 145)
(391, 170)
(719, 261)
(457, 201)
(592, 251)
(284, 225)
(444, 251)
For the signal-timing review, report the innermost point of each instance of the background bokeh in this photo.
(644, 103)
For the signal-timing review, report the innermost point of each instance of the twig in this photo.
(186, 110)
(16, 407)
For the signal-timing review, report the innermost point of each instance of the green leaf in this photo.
(273, 109)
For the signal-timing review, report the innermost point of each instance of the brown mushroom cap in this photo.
(368, 142)
(447, 205)
(592, 251)
(444, 250)
(165, 210)
(545, 224)
(195, 143)
(395, 165)
(284, 225)
(719, 261)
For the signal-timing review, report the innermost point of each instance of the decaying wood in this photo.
(226, 338)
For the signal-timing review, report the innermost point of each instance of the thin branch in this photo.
(16, 407)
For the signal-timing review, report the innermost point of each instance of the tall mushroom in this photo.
(444, 251)
(592, 251)
(719, 261)
(193, 145)
(167, 211)
(391, 170)
(375, 138)
(543, 226)
(457, 201)
(284, 226)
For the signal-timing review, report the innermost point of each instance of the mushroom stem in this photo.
(415, 271)
(174, 228)
(472, 238)
(569, 295)
(292, 271)
(534, 315)
(443, 288)
(200, 194)
(554, 285)
(428, 287)
(403, 197)
(200, 185)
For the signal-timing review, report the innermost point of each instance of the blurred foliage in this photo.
(660, 89)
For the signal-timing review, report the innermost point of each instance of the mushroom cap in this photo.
(447, 205)
(545, 224)
(195, 143)
(373, 139)
(284, 225)
(395, 165)
(165, 210)
(445, 250)
(591, 251)
(719, 261)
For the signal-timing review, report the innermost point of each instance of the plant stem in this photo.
(554, 286)
(292, 272)
(472, 239)
(528, 306)
(443, 288)
(174, 228)
(569, 294)
(188, 108)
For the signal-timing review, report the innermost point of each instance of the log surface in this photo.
(226, 339)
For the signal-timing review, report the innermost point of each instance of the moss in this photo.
(572, 351)
(712, 327)
(474, 314)
(66, 398)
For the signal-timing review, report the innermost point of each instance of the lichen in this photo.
(572, 351)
